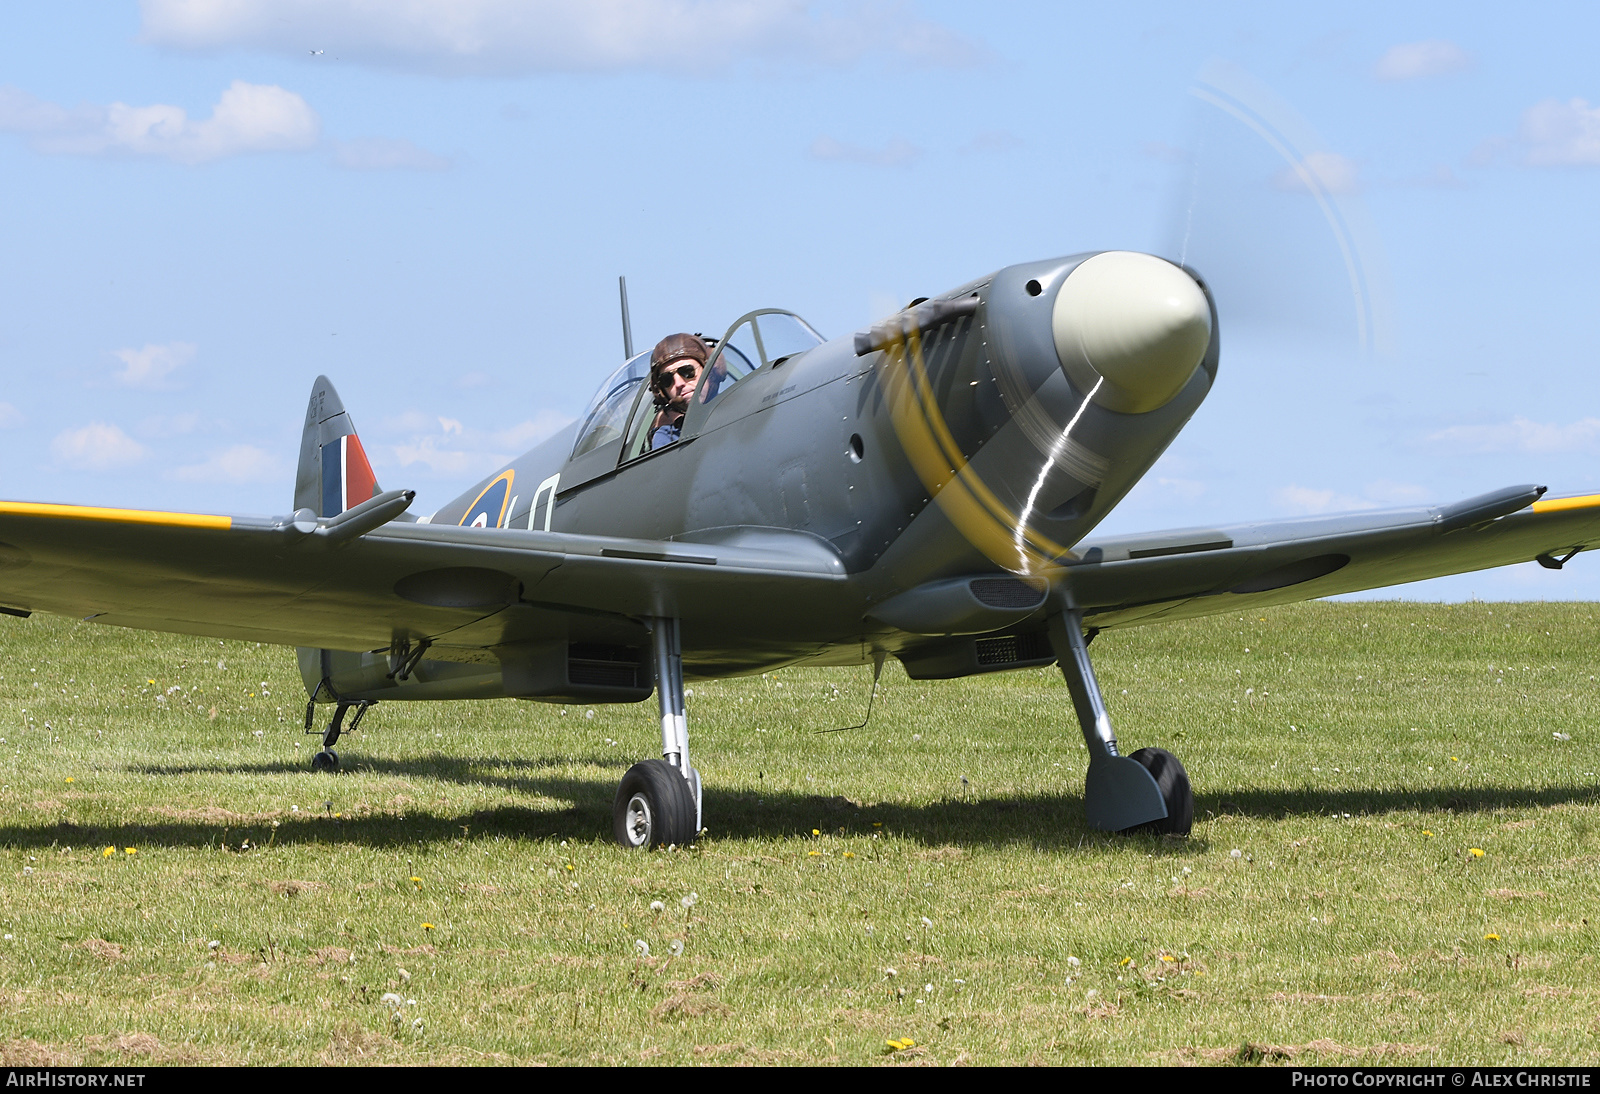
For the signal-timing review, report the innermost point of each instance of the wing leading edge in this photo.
(466, 589)
(1193, 572)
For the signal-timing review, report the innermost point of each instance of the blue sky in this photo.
(209, 202)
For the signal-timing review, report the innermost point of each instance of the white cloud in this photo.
(1561, 134)
(1328, 171)
(1182, 489)
(897, 153)
(1309, 501)
(448, 449)
(9, 416)
(149, 367)
(247, 118)
(1414, 60)
(385, 154)
(242, 463)
(507, 37)
(96, 447)
(1522, 435)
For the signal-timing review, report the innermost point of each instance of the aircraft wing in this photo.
(468, 589)
(1193, 572)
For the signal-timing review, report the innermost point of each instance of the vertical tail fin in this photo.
(334, 472)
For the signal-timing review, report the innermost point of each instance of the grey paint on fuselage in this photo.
(774, 451)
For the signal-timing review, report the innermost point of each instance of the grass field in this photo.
(1394, 860)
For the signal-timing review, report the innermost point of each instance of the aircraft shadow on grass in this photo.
(1045, 821)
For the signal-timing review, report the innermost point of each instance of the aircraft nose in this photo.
(1133, 324)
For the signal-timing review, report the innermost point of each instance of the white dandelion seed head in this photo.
(1074, 962)
(890, 973)
(588, 714)
(390, 999)
(690, 900)
(642, 946)
(676, 948)
(213, 944)
(657, 907)
(926, 922)
(1235, 853)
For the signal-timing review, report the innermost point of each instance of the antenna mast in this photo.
(627, 325)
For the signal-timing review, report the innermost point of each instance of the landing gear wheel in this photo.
(654, 807)
(327, 760)
(1174, 783)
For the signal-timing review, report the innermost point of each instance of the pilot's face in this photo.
(678, 381)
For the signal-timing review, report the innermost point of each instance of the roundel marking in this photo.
(488, 509)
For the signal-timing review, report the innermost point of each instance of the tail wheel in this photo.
(1173, 781)
(326, 761)
(654, 807)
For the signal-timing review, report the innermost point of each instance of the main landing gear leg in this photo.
(1146, 790)
(658, 803)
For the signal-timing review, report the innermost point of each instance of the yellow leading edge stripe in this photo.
(1555, 505)
(121, 516)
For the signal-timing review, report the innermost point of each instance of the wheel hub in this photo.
(639, 820)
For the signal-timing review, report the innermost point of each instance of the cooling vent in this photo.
(1005, 592)
(603, 666)
(1014, 649)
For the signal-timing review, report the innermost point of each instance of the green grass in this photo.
(1352, 754)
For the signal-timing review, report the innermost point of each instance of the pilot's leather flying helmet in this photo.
(674, 346)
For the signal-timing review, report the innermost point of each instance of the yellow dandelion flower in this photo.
(149, 681)
(571, 867)
(813, 854)
(815, 832)
(427, 926)
(1425, 832)
(849, 854)
(1168, 957)
(108, 852)
(69, 778)
(131, 850)
(418, 880)
(1475, 852)
(1491, 937)
(1125, 961)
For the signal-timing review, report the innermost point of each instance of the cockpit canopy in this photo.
(761, 338)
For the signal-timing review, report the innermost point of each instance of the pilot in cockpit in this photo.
(675, 367)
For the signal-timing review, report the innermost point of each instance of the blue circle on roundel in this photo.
(490, 507)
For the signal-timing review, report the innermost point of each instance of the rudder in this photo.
(334, 472)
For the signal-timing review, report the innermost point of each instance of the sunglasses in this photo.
(684, 372)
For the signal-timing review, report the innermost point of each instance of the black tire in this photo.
(654, 807)
(1174, 783)
(326, 761)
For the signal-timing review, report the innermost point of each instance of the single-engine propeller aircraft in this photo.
(921, 489)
